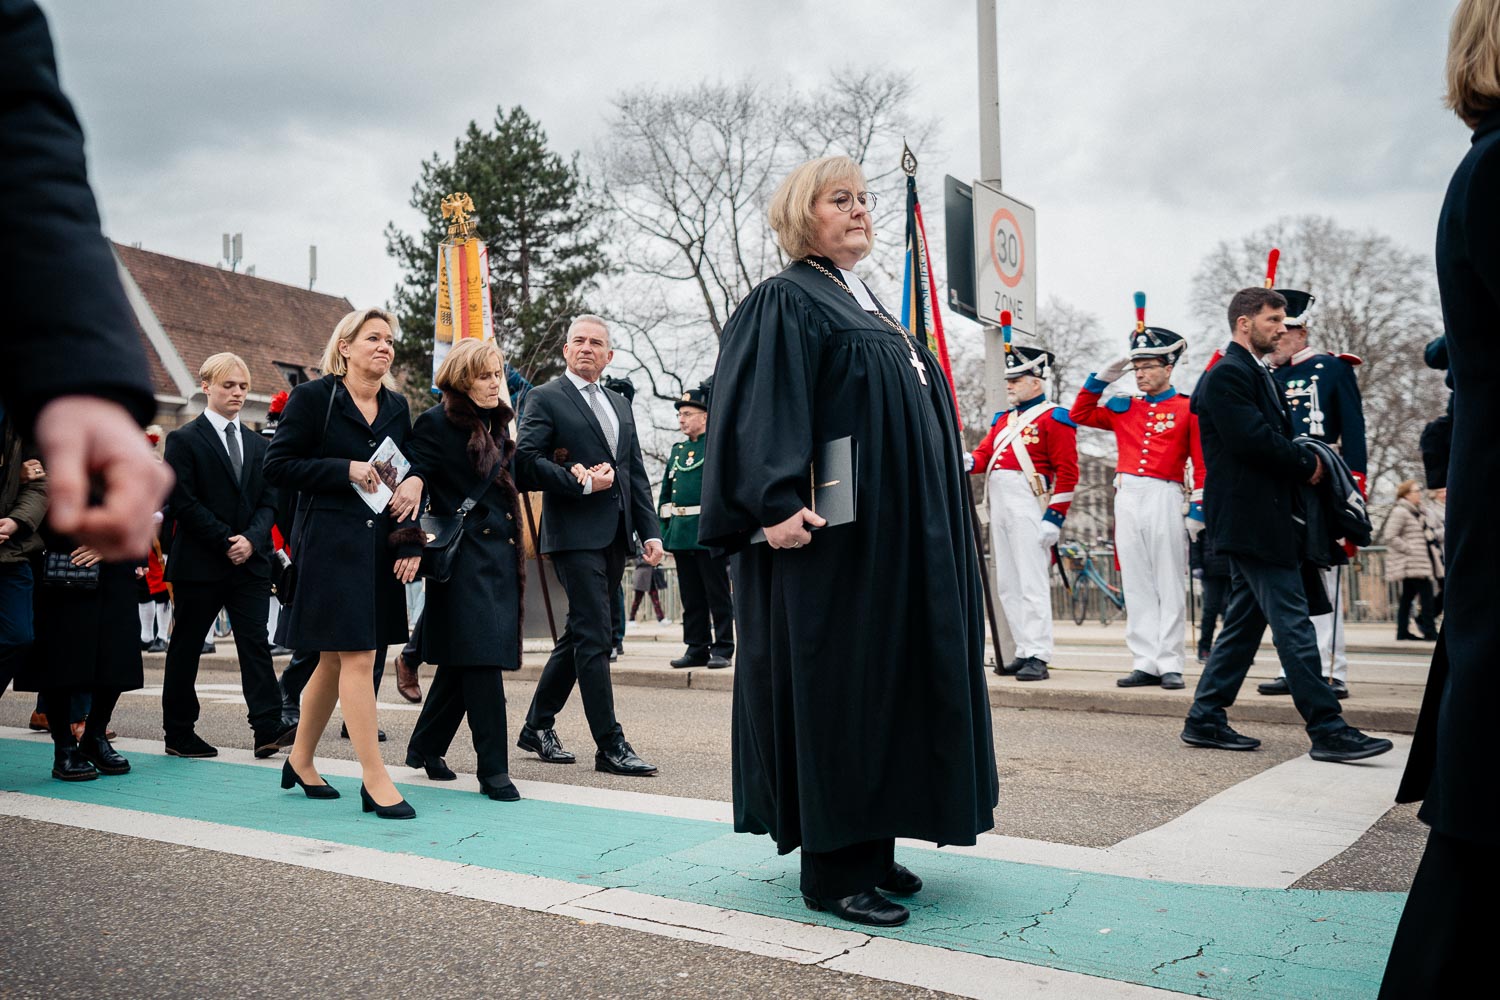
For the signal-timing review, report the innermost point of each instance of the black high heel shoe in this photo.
(290, 777)
(436, 767)
(401, 810)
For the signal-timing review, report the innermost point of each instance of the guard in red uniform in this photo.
(1030, 457)
(1157, 435)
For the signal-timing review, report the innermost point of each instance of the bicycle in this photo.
(1086, 580)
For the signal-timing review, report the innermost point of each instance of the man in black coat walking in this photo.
(219, 557)
(578, 443)
(1253, 513)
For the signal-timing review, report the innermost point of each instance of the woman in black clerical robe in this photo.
(860, 707)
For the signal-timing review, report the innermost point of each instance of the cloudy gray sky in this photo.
(1142, 132)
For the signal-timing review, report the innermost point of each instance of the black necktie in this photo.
(236, 457)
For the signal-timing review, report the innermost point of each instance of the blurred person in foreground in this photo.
(74, 378)
(1441, 945)
(861, 712)
(471, 621)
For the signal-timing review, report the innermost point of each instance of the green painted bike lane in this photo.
(1208, 940)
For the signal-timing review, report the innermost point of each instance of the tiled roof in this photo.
(205, 309)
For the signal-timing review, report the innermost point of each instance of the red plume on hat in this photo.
(1272, 259)
(278, 403)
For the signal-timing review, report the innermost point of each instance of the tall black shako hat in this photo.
(1153, 341)
(1021, 361)
(696, 397)
(1297, 302)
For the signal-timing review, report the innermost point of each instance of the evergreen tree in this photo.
(538, 218)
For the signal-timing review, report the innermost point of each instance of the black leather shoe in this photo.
(689, 661)
(400, 810)
(1171, 682)
(545, 744)
(1278, 686)
(1218, 738)
(1340, 689)
(69, 764)
(1032, 669)
(344, 733)
(1351, 744)
(621, 759)
(436, 767)
(717, 662)
(901, 881)
(279, 650)
(106, 760)
(1011, 668)
(208, 649)
(500, 788)
(290, 777)
(268, 744)
(1138, 679)
(190, 745)
(868, 907)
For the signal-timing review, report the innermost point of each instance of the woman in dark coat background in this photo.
(472, 623)
(1442, 943)
(85, 644)
(349, 598)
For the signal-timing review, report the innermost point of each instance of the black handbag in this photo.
(283, 566)
(444, 532)
(58, 571)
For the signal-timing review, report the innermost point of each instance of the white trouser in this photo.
(1021, 564)
(273, 616)
(1151, 543)
(1330, 628)
(154, 619)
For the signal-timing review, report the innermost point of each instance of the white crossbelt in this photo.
(1011, 438)
(671, 510)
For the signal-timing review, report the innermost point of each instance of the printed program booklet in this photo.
(391, 466)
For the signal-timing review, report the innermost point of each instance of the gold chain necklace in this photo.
(916, 362)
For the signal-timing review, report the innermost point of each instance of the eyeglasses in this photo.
(844, 200)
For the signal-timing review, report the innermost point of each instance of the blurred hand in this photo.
(240, 549)
(363, 475)
(580, 473)
(1317, 476)
(406, 569)
(8, 526)
(792, 533)
(1194, 527)
(408, 498)
(1047, 534)
(603, 476)
(85, 557)
(653, 552)
(31, 471)
(1115, 368)
(83, 437)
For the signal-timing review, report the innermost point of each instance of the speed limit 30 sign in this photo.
(1004, 258)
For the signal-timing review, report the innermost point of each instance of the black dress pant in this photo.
(412, 651)
(1415, 588)
(1215, 598)
(299, 671)
(581, 655)
(478, 692)
(848, 870)
(247, 598)
(704, 583)
(1261, 593)
(1443, 940)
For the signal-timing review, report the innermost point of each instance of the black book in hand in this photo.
(830, 483)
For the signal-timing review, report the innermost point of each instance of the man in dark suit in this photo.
(219, 557)
(578, 443)
(1251, 505)
(74, 377)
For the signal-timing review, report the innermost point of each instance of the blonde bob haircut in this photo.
(466, 362)
(348, 328)
(221, 366)
(1407, 488)
(1473, 71)
(791, 210)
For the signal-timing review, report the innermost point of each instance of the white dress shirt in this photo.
(221, 422)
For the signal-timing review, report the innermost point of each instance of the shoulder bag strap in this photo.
(473, 497)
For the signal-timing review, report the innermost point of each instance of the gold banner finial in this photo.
(458, 207)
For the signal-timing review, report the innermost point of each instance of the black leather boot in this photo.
(69, 764)
(98, 751)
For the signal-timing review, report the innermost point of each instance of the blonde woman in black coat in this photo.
(472, 625)
(351, 567)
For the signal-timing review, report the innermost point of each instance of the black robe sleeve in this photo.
(760, 429)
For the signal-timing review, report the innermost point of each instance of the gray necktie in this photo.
(236, 457)
(596, 403)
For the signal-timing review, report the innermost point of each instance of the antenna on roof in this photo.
(312, 266)
(250, 271)
(234, 247)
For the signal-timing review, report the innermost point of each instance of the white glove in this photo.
(1115, 369)
(1047, 534)
(1194, 527)
(968, 461)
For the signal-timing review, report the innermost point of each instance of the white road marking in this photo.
(833, 948)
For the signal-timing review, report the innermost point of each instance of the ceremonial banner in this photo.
(919, 303)
(463, 287)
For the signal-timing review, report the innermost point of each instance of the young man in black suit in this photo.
(219, 557)
(578, 442)
(1251, 505)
